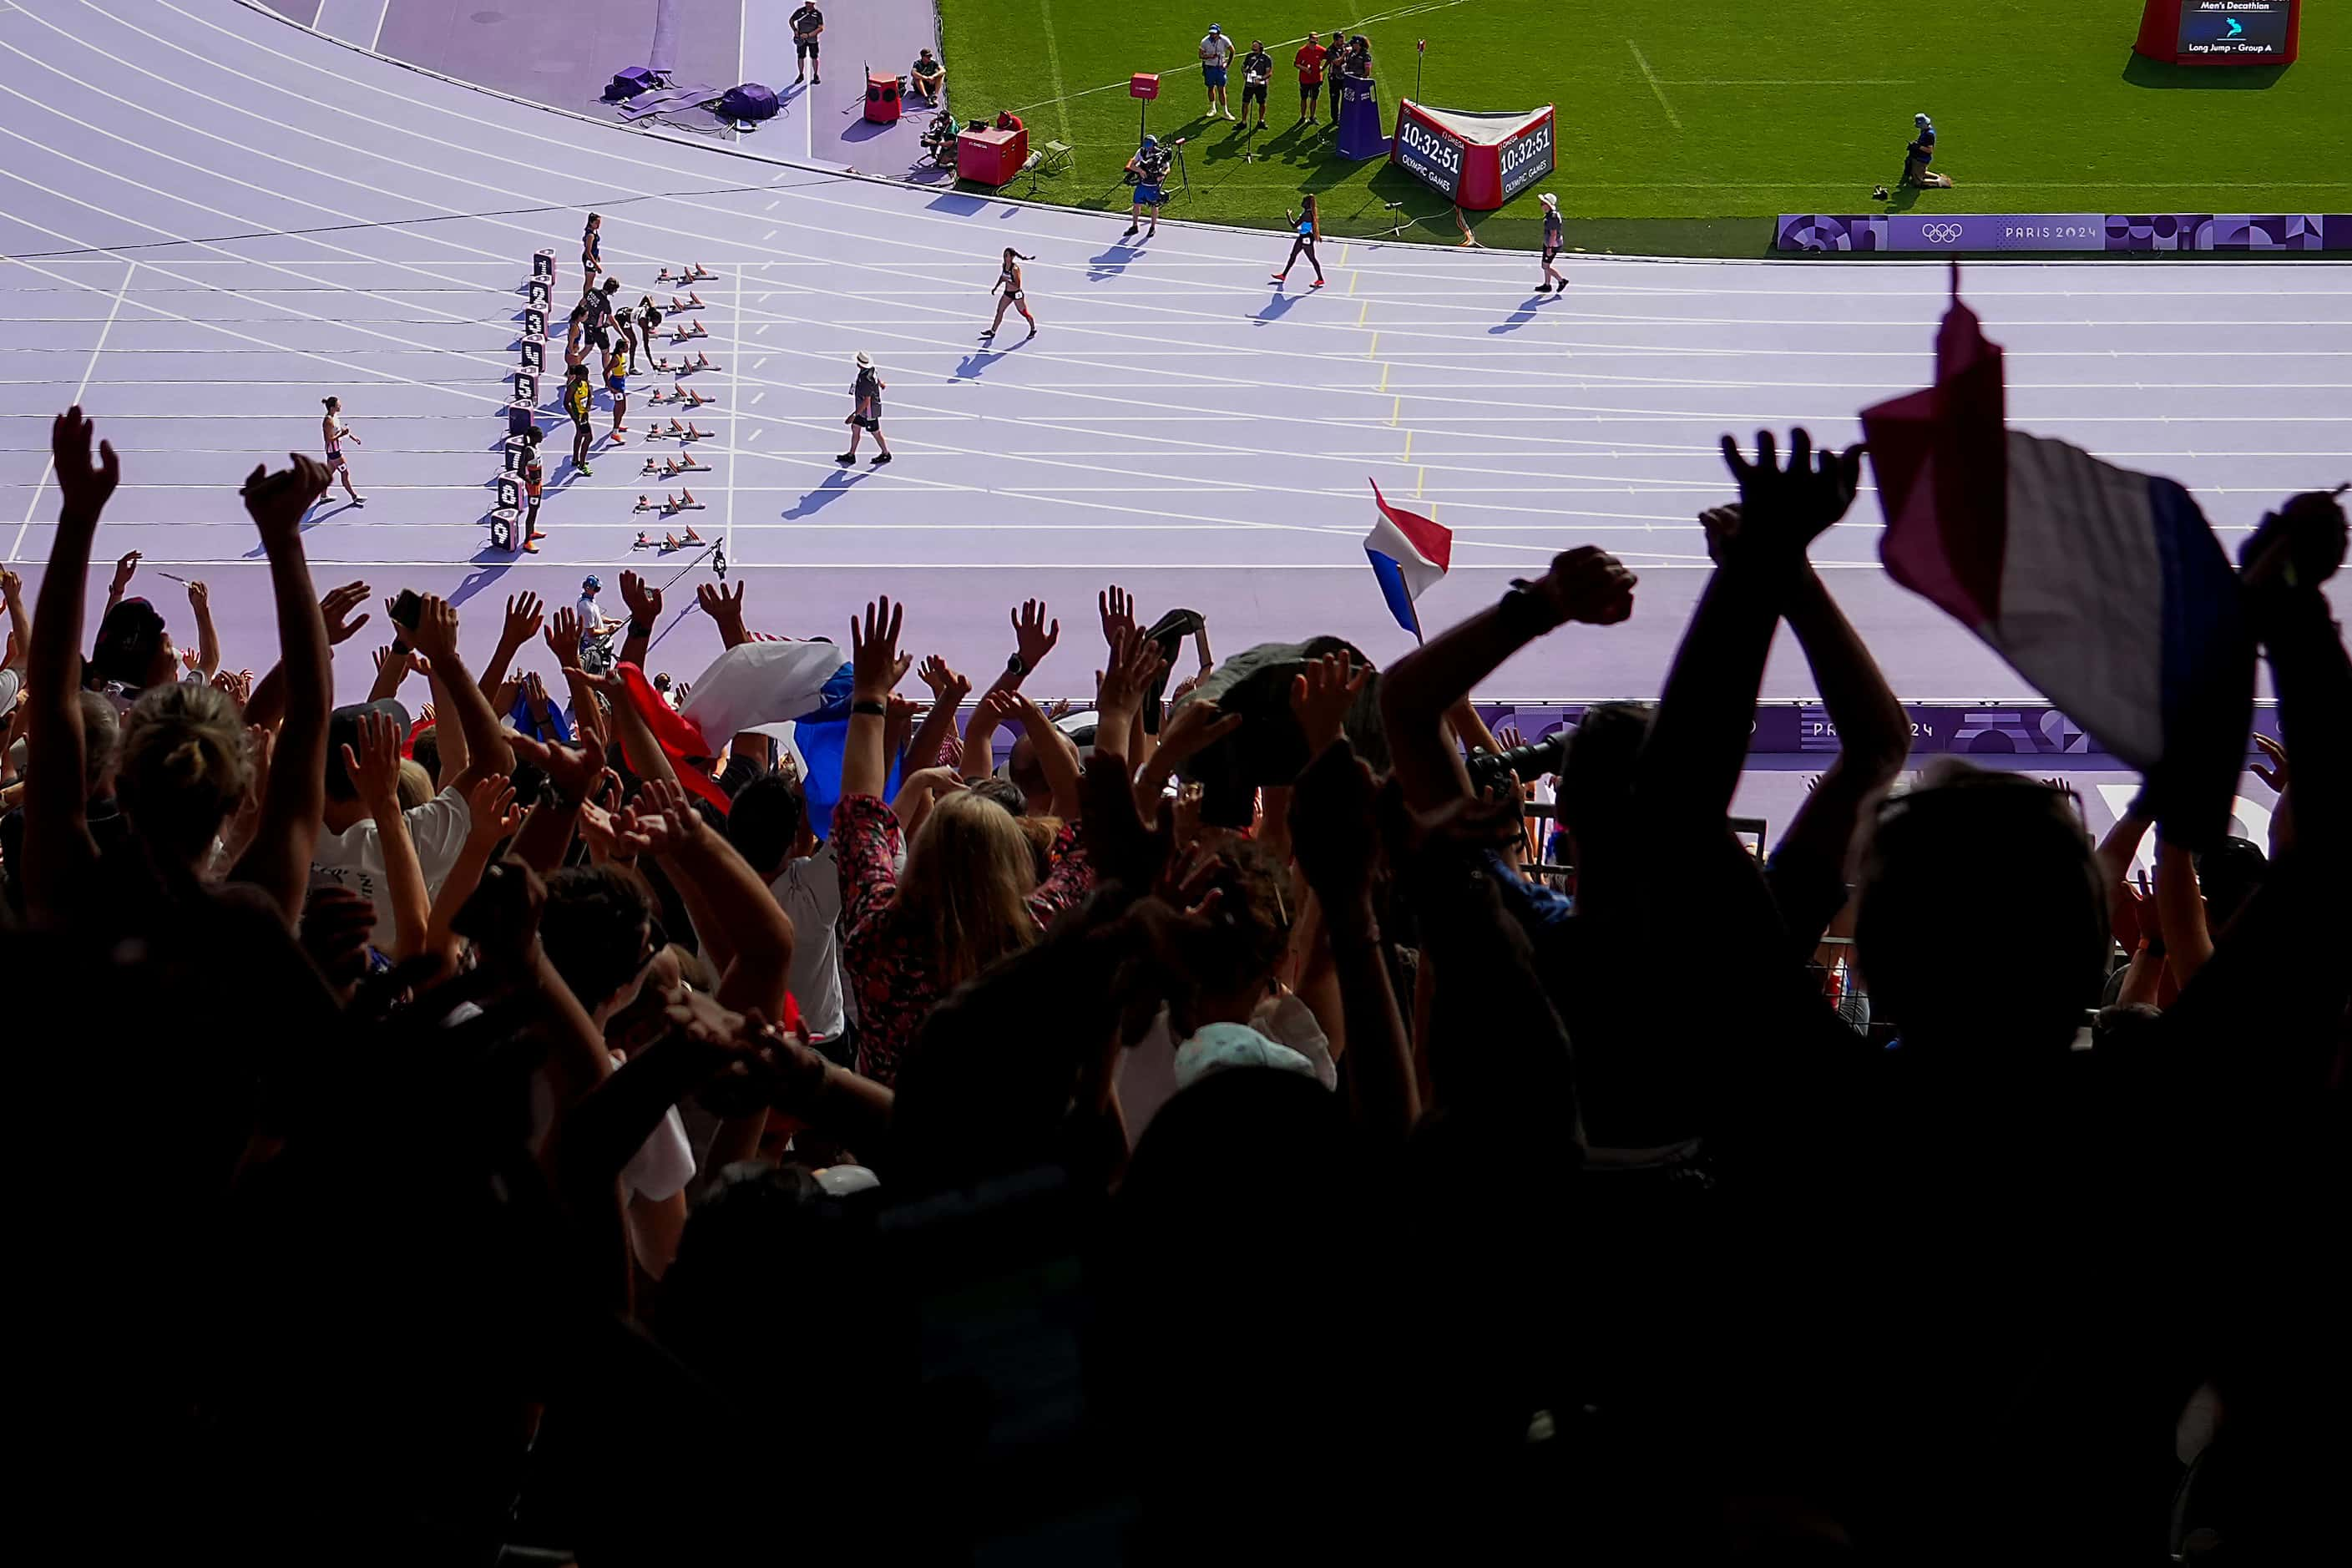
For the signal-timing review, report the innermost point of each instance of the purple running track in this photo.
(210, 218)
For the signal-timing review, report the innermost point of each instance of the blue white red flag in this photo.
(2104, 587)
(1409, 553)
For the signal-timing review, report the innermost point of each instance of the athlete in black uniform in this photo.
(1008, 283)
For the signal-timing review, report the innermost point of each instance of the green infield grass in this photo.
(1684, 125)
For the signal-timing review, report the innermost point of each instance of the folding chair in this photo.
(1060, 157)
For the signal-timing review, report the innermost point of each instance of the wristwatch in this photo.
(1014, 666)
(1525, 610)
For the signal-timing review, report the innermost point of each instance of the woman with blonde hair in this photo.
(184, 767)
(969, 894)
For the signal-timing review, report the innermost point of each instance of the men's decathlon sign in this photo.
(1476, 160)
(1917, 233)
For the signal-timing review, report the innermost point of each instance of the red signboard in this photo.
(1143, 84)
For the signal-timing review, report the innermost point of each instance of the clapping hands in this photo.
(1783, 509)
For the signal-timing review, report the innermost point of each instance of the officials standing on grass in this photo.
(1309, 62)
(1257, 69)
(1216, 56)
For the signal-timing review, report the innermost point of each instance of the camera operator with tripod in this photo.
(1148, 171)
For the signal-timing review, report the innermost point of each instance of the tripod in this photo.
(1397, 219)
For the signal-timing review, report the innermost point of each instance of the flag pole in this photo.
(1420, 59)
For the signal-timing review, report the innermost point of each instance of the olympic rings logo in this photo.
(1940, 233)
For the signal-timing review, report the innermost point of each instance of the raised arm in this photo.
(947, 691)
(1583, 584)
(267, 705)
(644, 603)
(521, 626)
(756, 935)
(492, 816)
(1058, 759)
(58, 850)
(874, 663)
(374, 770)
(209, 654)
(278, 858)
(1698, 741)
(487, 748)
(1873, 741)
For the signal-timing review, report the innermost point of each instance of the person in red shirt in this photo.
(1309, 62)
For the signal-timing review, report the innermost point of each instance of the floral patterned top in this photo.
(893, 982)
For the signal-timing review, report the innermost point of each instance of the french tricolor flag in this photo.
(1409, 553)
(754, 686)
(2104, 587)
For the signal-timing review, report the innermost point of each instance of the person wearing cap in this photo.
(1216, 56)
(865, 411)
(929, 75)
(1150, 168)
(1917, 156)
(592, 619)
(1551, 243)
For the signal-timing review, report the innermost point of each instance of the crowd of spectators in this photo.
(451, 1137)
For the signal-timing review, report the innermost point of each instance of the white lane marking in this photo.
(89, 369)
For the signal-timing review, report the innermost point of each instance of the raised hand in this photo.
(1034, 636)
(1136, 663)
(86, 484)
(522, 620)
(2277, 774)
(1589, 584)
(1509, 739)
(435, 632)
(574, 770)
(1118, 608)
(1783, 509)
(563, 637)
(277, 501)
(492, 813)
(11, 588)
(374, 767)
(644, 602)
(946, 685)
(874, 652)
(336, 608)
(200, 597)
(724, 608)
(952, 752)
(1320, 697)
(236, 687)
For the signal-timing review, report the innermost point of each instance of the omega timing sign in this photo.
(1476, 160)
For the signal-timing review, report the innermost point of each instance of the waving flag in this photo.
(753, 686)
(1409, 553)
(2104, 587)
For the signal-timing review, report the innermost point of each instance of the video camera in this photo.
(1492, 770)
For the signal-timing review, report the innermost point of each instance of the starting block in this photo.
(683, 501)
(691, 302)
(692, 272)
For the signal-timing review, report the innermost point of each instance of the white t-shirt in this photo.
(592, 613)
(809, 890)
(353, 858)
(1216, 49)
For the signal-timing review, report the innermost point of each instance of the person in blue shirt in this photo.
(1150, 168)
(1309, 224)
(1916, 159)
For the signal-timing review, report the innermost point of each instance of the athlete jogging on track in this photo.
(334, 432)
(1008, 286)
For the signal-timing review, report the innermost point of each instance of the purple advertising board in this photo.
(1928, 233)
